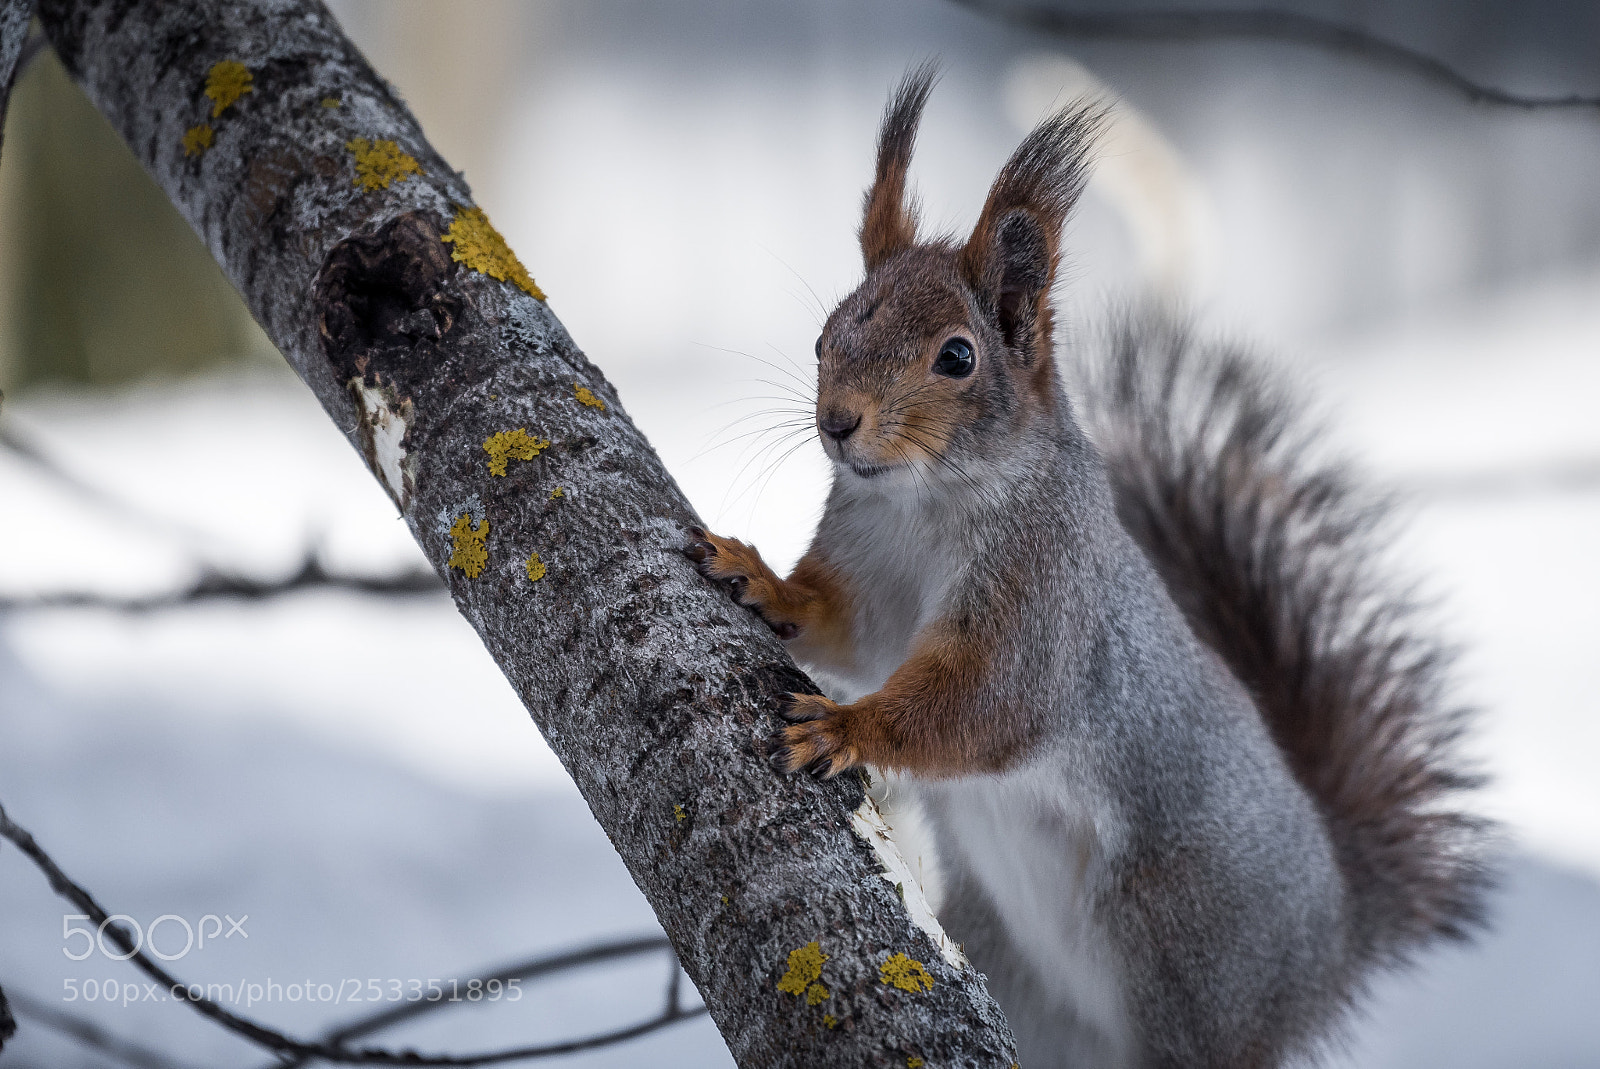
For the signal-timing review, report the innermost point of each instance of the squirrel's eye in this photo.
(955, 359)
(819, 346)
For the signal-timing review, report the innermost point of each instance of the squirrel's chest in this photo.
(900, 566)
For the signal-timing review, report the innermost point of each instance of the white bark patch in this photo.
(388, 427)
(869, 824)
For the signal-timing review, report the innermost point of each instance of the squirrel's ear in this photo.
(889, 224)
(1010, 259)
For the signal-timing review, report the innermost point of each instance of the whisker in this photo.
(985, 494)
(778, 464)
(822, 310)
(807, 386)
(740, 487)
(788, 426)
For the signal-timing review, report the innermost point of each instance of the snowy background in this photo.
(683, 179)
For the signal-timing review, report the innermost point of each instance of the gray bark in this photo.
(654, 689)
(14, 17)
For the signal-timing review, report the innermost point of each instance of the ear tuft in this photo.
(889, 224)
(1010, 259)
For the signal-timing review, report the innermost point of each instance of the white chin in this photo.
(881, 477)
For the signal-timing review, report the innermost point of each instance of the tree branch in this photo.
(1264, 24)
(327, 208)
(91, 1035)
(671, 1013)
(332, 1049)
(215, 585)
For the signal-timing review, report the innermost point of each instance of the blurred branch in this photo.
(532, 969)
(299, 1052)
(89, 1034)
(21, 447)
(216, 585)
(8, 1023)
(1262, 24)
(213, 583)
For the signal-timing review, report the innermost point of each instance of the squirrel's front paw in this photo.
(817, 738)
(730, 561)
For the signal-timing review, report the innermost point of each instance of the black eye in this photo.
(955, 359)
(819, 346)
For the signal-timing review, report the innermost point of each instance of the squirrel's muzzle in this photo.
(839, 424)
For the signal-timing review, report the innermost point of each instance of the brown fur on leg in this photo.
(936, 716)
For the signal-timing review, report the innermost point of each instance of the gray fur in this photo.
(1220, 786)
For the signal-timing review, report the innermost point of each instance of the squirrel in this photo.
(1187, 759)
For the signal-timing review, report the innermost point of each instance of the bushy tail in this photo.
(1275, 557)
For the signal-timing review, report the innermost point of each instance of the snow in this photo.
(342, 864)
(355, 776)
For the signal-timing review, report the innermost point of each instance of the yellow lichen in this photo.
(558, 492)
(678, 812)
(905, 973)
(380, 162)
(815, 994)
(503, 446)
(536, 568)
(197, 139)
(480, 246)
(724, 899)
(805, 969)
(829, 1019)
(586, 397)
(913, 1062)
(330, 102)
(226, 82)
(468, 551)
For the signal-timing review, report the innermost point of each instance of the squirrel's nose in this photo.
(839, 425)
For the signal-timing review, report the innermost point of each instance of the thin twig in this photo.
(1290, 27)
(532, 969)
(279, 1042)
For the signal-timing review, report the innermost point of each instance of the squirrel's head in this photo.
(942, 358)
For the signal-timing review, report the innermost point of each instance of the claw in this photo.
(700, 550)
(822, 767)
(796, 710)
(778, 758)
